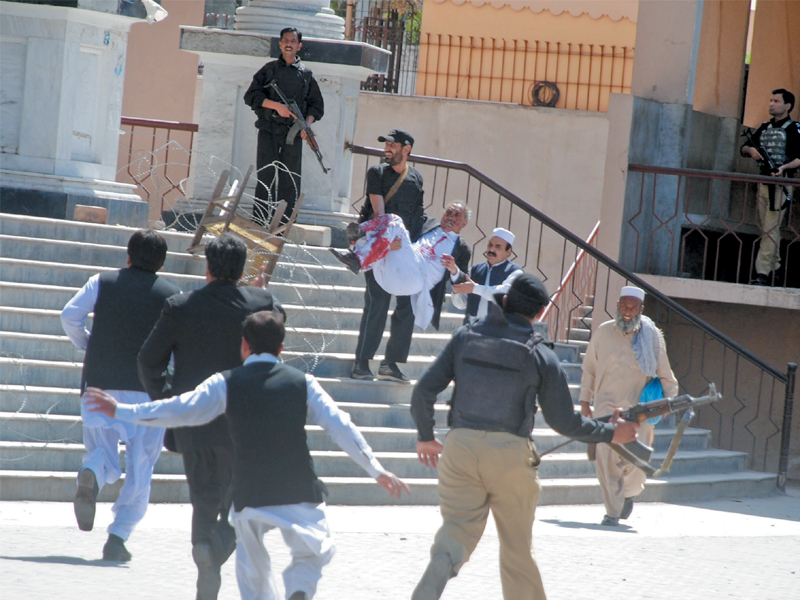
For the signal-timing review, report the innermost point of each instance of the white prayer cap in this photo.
(631, 291)
(504, 234)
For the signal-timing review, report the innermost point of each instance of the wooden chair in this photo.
(264, 244)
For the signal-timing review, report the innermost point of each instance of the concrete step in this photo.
(340, 365)
(59, 486)
(333, 462)
(117, 235)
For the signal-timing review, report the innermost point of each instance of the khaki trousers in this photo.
(618, 478)
(483, 470)
(768, 258)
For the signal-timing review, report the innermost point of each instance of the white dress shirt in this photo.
(75, 313)
(210, 399)
(487, 292)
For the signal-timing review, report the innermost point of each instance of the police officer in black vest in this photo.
(485, 280)
(203, 332)
(780, 137)
(501, 370)
(267, 404)
(297, 82)
(126, 304)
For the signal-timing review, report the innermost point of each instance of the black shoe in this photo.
(761, 279)
(115, 549)
(354, 232)
(390, 372)
(85, 501)
(209, 579)
(298, 595)
(627, 508)
(361, 371)
(609, 521)
(348, 259)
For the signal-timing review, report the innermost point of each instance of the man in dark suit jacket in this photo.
(474, 292)
(203, 331)
(373, 320)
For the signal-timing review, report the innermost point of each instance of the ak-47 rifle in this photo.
(773, 168)
(638, 453)
(299, 124)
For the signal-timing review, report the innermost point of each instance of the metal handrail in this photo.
(701, 174)
(594, 252)
(565, 282)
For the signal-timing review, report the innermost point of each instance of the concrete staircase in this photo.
(43, 262)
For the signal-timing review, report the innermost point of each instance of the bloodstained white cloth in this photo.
(413, 270)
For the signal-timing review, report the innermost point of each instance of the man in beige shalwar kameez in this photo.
(623, 355)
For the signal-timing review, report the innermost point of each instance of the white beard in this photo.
(627, 326)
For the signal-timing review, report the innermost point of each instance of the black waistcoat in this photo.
(267, 406)
(129, 302)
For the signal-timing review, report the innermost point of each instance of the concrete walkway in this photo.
(746, 549)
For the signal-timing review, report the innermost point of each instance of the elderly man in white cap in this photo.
(624, 355)
(494, 276)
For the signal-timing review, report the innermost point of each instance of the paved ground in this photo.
(746, 549)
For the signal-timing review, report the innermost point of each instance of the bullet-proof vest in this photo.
(488, 395)
(773, 140)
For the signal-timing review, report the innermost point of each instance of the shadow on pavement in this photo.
(775, 506)
(621, 528)
(66, 560)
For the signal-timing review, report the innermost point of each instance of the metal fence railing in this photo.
(700, 224)
(564, 75)
(755, 414)
(157, 157)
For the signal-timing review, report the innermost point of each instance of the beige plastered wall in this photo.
(551, 158)
(160, 79)
(161, 83)
(497, 54)
(774, 58)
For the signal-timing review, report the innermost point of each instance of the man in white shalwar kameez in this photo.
(267, 404)
(623, 356)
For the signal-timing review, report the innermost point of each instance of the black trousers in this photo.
(373, 322)
(276, 182)
(209, 472)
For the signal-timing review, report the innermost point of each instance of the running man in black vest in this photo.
(485, 280)
(780, 137)
(267, 404)
(126, 304)
(202, 332)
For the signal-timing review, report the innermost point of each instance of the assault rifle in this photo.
(299, 124)
(638, 453)
(773, 168)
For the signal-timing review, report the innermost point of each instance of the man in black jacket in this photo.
(297, 83)
(126, 304)
(455, 255)
(488, 461)
(203, 332)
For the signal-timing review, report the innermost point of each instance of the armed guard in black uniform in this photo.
(297, 83)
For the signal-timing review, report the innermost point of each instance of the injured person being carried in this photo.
(403, 268)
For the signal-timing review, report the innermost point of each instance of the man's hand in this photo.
(396, 244)
(753, 153)
(779, 172)
(258, 280)
(393, 484)
(624, 431)
(96, 400)
(309, 120)
(449, 263)
(428, 452)
(586, 410)
(464, 288)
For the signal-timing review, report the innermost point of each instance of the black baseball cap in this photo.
(529, 292)
(399, 136)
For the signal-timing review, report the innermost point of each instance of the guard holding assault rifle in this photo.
(286, 99)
